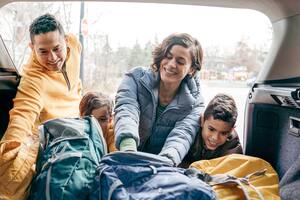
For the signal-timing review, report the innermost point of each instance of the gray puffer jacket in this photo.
(174, 131)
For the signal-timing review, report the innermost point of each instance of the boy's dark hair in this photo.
(94, 100)
(182, 39)
(222, 107)
(44, 24)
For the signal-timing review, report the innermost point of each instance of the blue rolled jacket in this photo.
(174, 131)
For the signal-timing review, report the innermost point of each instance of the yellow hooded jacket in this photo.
(41, 95)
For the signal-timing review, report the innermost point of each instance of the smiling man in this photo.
(50, 88)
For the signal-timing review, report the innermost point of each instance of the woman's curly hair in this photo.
(182, 39)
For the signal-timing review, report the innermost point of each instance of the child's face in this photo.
(215, 132)
(103, 116)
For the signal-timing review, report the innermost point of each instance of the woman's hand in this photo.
(128, 144)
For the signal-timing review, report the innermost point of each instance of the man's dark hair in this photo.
(44, 24)
(222, 107)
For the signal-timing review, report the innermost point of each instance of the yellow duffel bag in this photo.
(238, 177)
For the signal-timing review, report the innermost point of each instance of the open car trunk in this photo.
(272, 121)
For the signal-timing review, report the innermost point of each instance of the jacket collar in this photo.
(188, 93)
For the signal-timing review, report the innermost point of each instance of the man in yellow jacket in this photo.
(50, 88)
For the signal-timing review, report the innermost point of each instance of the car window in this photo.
(119, 36)
(6, 63)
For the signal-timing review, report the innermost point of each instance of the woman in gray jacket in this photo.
(158, 108)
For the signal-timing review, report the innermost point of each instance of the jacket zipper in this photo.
(64, 72)
(154, 112)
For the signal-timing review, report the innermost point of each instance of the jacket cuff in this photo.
(128, 144)
(172, 154)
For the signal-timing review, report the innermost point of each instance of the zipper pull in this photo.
(64, 72)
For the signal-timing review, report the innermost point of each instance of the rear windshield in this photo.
(119, 36)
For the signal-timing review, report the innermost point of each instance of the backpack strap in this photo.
(42, 136)
(50, 163)
(95, 128)
(117, 183)
(93, 153)
(48, 197)
(223, 179)
(257, 173)
(100, 168)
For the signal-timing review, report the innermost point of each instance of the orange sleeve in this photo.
(19, 146)
(110, 139)
(28, 104)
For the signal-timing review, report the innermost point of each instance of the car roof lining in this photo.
(274, 9)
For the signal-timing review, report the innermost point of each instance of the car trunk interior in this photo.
(8, 90)
(9, 80)
(272, 127)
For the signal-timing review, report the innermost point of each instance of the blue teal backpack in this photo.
(143, 176)
(71, 149)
